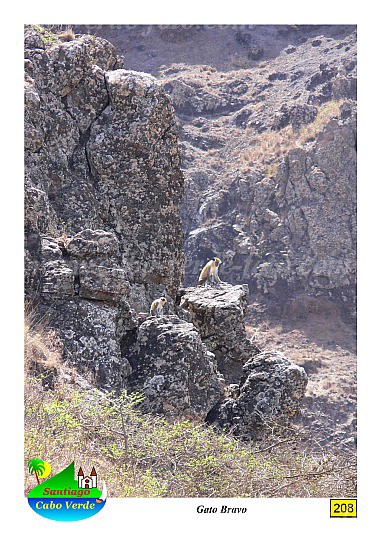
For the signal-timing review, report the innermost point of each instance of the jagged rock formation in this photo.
(85, 292)
(263, 107)
(268, 150)
(76, 108)
(260, 388)
(173, 369)
(270, 391)
(235, 387)
(218, 314)
(273, 185)
(103, 186)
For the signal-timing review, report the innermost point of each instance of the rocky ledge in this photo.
(260, 388)
(218, 314)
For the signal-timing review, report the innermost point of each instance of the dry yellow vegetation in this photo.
(270, 147)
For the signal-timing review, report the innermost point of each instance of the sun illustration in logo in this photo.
(40, 468)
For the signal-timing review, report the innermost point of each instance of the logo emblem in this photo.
(64, 497)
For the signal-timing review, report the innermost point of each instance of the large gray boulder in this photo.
(173, 369)
(271, 391)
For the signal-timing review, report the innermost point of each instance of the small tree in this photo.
(36, 465)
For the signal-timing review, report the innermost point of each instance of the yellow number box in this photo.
(343, 508)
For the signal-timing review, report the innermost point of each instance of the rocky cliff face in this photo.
(103, 185)
(268, 146)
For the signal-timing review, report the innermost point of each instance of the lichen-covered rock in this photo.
(218, 315)
(88, 331)
(103, 183)
(90, 243)
(271, 391)
(59, 67)
(174, 370)
(103, 283)
(102, 147)
(141, 182)
(87, 99)
(39, 217)
(58, 279)
(85, 292)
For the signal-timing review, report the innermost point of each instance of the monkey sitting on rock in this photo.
(156, 308)
(209, 274)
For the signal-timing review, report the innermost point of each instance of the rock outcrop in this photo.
(269, 157)
(173, 369)
(102, 154)
(84, 292)
(206, 368)
(268, 150)
(218, 314)
(270, 392)
(316, 220)
(103, 238)
(103, 186)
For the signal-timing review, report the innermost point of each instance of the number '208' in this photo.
(343, 508)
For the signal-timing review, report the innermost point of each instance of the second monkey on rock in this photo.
(156, 308)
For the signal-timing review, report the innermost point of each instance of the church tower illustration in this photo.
(87, 482)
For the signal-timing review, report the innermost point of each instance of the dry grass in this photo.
(67, 35)
(270, 147)
(140, 455)
(42, 349)
(241, 62)
(326, 113)
(52, 35)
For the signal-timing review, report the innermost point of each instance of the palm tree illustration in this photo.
(36, 465)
